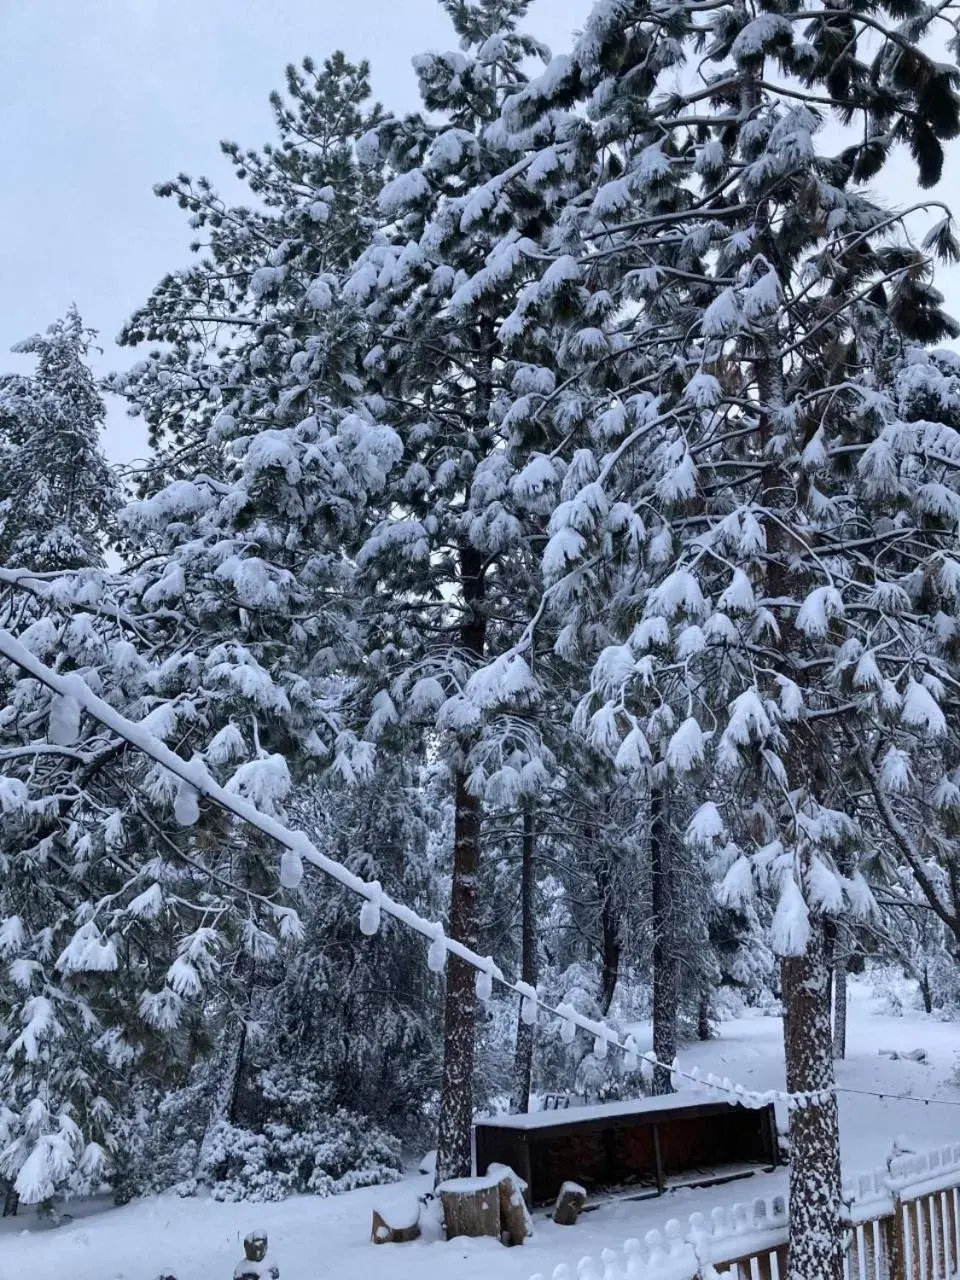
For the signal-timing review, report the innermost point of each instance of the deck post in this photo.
(661, 1182)
(526, 1170)
(892, 1229)
(774, 1139)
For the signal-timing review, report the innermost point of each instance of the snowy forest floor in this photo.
(313, 1239)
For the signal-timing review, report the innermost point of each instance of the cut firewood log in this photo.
(515, 1221)
(471, 1207)
(404, 1228)
(570, 1200)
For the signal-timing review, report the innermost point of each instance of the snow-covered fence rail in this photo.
(745, 1241)
(902, 1223)
(919, 1234)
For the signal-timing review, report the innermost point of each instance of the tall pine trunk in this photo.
(609, 923)
(839, 1006)
(665, 969)
(460, 1006)
(11, 1201)
(926, 991)
(223, 1103)
(815, 1232)
(523, 1060)
(816, 1235)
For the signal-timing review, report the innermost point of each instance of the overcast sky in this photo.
(100, 99)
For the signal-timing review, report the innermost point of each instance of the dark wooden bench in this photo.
(646, 1146)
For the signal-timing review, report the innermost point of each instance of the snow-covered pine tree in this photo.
(258, 387)
(448, 568)
(58, 495)
(726, 283)
(257, 319)
(908, 767)
(225, 638)
(257, 407)
(338, 1038)
(583, 831)
(58, 499)
(362, 1011)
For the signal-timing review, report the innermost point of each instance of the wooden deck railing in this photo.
(902, 1223)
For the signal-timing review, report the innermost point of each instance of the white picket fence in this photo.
(903, 1223)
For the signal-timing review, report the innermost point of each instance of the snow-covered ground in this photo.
(313, 1239)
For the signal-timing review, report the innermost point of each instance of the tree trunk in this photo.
(610, 928)
(11, 1201)
(925, 990)
(665, 969)
(816, 1238)
(816, 1234)
(829, 953)
(460, 1006)
(523, 1060)
(839, 1007)
(223, 1104)
(471, 1207)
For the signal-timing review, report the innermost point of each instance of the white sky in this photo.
(100, 99)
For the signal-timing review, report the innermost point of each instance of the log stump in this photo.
(570, 1201)
(515, 1221)
(381, 1232)
(471, 1207)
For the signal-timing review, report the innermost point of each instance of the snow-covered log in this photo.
(382, 1232)
(471, 1206)
(515, 1221)
(570, 1201)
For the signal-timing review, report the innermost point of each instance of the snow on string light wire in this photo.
(195, 778)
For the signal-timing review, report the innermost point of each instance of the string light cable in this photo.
(900, 1097)
(195, 780)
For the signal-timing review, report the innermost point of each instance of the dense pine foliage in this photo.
(552, 512)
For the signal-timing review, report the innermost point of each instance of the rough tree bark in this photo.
(11, 1201)
(523, 1059)
(665, 969)
(460, 1005)
(829, 956)
(926, 990)
(610, 931)
(816, 1236)
(471, 1207)
(223, 1103)
(839, 1006)
(815, 1231)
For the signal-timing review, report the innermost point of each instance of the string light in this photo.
(195, 774)
(902, 1097)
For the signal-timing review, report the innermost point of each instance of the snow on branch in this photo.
(194, 775)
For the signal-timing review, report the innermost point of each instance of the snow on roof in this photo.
(629, 1106)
